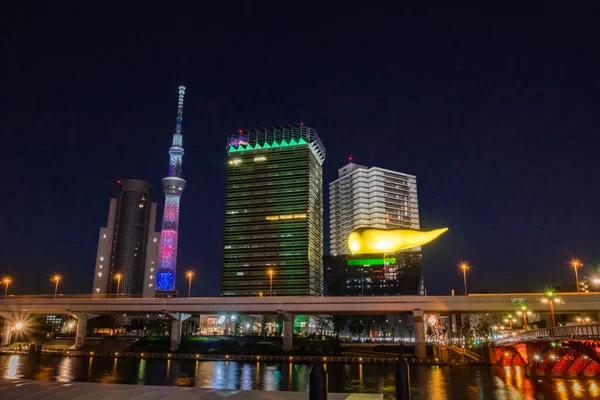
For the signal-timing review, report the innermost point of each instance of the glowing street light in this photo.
(189, 274)
(56, 278)
(19, 325)
(576, 264)
(550, 297)
(271, 272)
(118, 278)
(510, 320)
(464, 267)
(6, 280)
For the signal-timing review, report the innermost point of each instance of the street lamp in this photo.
(510, 320)
(551, 299)
(118, 278)
(523, 311)
(271, 272)
(6, 280)
(464, 268)
(576, 264)
(56, 278)
(189, 275)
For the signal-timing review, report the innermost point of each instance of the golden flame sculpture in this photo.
(372, 240)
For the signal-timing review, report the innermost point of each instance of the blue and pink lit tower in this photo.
(173, 186)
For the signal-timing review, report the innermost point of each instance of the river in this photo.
(427, 382)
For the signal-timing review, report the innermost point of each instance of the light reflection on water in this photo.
(427, 382)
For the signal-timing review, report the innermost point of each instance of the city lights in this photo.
(19, 325)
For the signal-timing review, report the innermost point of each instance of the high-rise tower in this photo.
(127, 247)
(370, 197)
(273, 239)
(173, 186)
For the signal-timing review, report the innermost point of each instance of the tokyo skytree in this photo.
(173, 186)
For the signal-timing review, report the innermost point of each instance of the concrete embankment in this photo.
(18, 389)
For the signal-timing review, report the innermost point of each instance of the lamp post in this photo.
(576, 264)
(6, 280)
(465, 267)
(118, 278)
(271, 272)
(189, 275)
(56, 278)
(551, 299)
(510, 321)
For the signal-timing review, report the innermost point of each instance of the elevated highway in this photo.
(84, 307)
(492, 303)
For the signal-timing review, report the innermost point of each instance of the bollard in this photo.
(317, 382)
(402, 375)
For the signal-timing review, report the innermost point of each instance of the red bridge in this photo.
(565, 350)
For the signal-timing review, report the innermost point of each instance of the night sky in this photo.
(497, 116)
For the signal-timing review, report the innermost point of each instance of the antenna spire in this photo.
(180, 109)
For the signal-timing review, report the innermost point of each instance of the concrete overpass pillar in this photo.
(420, 349)
(81, 332)
(177, 320)
(288, 331)
(6, 332)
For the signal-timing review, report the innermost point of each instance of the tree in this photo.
(356, 327)
(339, 324)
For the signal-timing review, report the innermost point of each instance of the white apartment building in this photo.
(370, 197)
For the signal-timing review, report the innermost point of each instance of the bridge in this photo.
(84, 307)
(562, 350)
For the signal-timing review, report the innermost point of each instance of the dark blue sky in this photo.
(496, 115)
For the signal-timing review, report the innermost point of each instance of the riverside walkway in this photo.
(18, 389)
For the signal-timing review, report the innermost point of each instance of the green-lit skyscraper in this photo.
(274, 213)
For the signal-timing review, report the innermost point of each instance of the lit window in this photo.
(151, 276)
(150, 285)
(100, 266)
(97, 290)
(152, 269)
(104, 236)
(261, 158)
(141, 205)
(155, 240)
(100, 274)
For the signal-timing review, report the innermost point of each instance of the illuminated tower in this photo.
(173, 186)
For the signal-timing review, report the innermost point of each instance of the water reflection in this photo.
(426, 382)
(65, 370)
(13, 366)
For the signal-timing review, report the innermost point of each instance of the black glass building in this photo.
(127, 247)
(381, 274)
(273, 238)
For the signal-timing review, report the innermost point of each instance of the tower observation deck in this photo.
(173, 186)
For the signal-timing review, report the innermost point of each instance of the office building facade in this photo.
(128, 245)
(274, 213)
(370, 197)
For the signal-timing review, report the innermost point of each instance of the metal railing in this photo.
(558, 332)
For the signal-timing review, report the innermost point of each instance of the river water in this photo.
(427, 382)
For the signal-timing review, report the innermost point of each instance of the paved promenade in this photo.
(21, 389)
